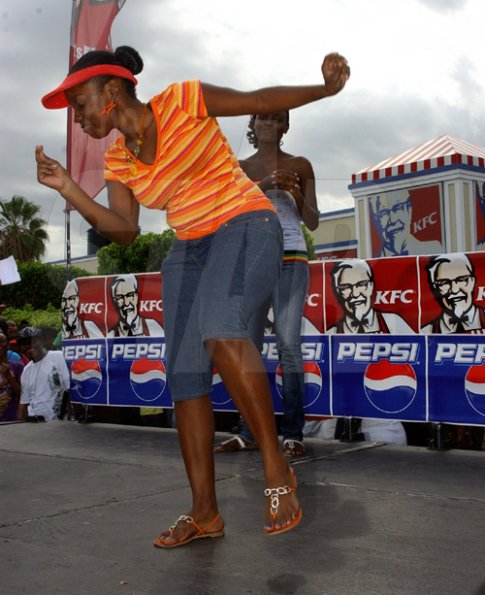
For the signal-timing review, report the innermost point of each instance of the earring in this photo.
(108, 108)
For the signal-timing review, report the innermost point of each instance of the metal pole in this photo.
(68, 242)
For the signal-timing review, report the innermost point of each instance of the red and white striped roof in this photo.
(439, 152)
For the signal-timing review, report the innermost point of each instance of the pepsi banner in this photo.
(384, 377)
(457, 380)
(389, 338)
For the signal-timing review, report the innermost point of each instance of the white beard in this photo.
(130, 317)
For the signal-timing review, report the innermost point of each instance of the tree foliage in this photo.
(145, 254)
(41, 285)
(49, 317)
(23, 233)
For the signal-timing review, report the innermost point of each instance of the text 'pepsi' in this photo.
(311, 351)
(462, 353)
(137, 350)
(373, 352)
(74, 352)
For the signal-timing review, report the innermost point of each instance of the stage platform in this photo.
(81, 503)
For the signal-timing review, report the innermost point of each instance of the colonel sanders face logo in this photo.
(125, 299)
(70, 304)
(354, 291)
(453, 286)
(392, 216)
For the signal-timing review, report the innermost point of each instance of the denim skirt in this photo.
(211, 286)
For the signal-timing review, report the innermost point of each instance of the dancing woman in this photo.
(223, 263)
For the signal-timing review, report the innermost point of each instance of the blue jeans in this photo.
(288, 301)
(211, 287)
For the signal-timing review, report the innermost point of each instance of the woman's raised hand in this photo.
(336, 72)
(50, 172)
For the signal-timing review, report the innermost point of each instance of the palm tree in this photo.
(22, 233)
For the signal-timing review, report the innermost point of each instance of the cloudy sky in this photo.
(418, 71)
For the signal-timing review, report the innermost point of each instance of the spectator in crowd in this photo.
(289, 182)
(43, 382)
(12, 329)
(24, 345)
(10, 372)
(11, 354)
(49, 335)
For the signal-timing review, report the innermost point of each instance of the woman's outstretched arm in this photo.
(223, 101)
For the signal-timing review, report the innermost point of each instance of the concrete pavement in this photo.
(80, 505)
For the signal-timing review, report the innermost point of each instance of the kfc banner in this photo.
(393, 338)
(406, 222)
(90, 30)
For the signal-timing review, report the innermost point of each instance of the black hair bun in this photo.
(129, 58)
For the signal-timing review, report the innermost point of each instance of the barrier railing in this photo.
(394, 338)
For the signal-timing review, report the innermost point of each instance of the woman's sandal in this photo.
(293, 448)
(274, 494)
(235, 444)
(201, 532)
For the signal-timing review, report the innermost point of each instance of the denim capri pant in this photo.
(211, 286)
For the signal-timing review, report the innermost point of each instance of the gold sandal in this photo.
(200, 534)
(274, 494)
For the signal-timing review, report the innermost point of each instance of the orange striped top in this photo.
(196, 176)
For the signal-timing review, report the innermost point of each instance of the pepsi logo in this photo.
(313, 382)
(148, 379)
(475, 388)
(390, 387)
(219, 396)
(86, 377)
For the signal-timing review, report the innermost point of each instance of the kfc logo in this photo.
(354, 287)
(125, 298)
(395, 295)
(73, 325)
(452, 281)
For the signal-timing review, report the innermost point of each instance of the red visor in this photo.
(56, 99)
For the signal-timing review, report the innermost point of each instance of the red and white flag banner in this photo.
(90, 30)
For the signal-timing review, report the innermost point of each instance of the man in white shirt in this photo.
(43, 382)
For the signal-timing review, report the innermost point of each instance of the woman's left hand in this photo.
(286, 180)
(336, 72)
(50, 172)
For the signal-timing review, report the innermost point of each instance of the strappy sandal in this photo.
(293, 448)
(234, 444)
(274, 494)
(200, 534)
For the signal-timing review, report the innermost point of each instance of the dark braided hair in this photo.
(124, 56)
(251, 134)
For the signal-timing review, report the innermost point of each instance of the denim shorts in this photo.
(211, 286)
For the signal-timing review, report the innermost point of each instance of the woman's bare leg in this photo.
(242, 370)
(195, 425)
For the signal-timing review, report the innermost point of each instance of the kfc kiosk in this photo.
(426, 200)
